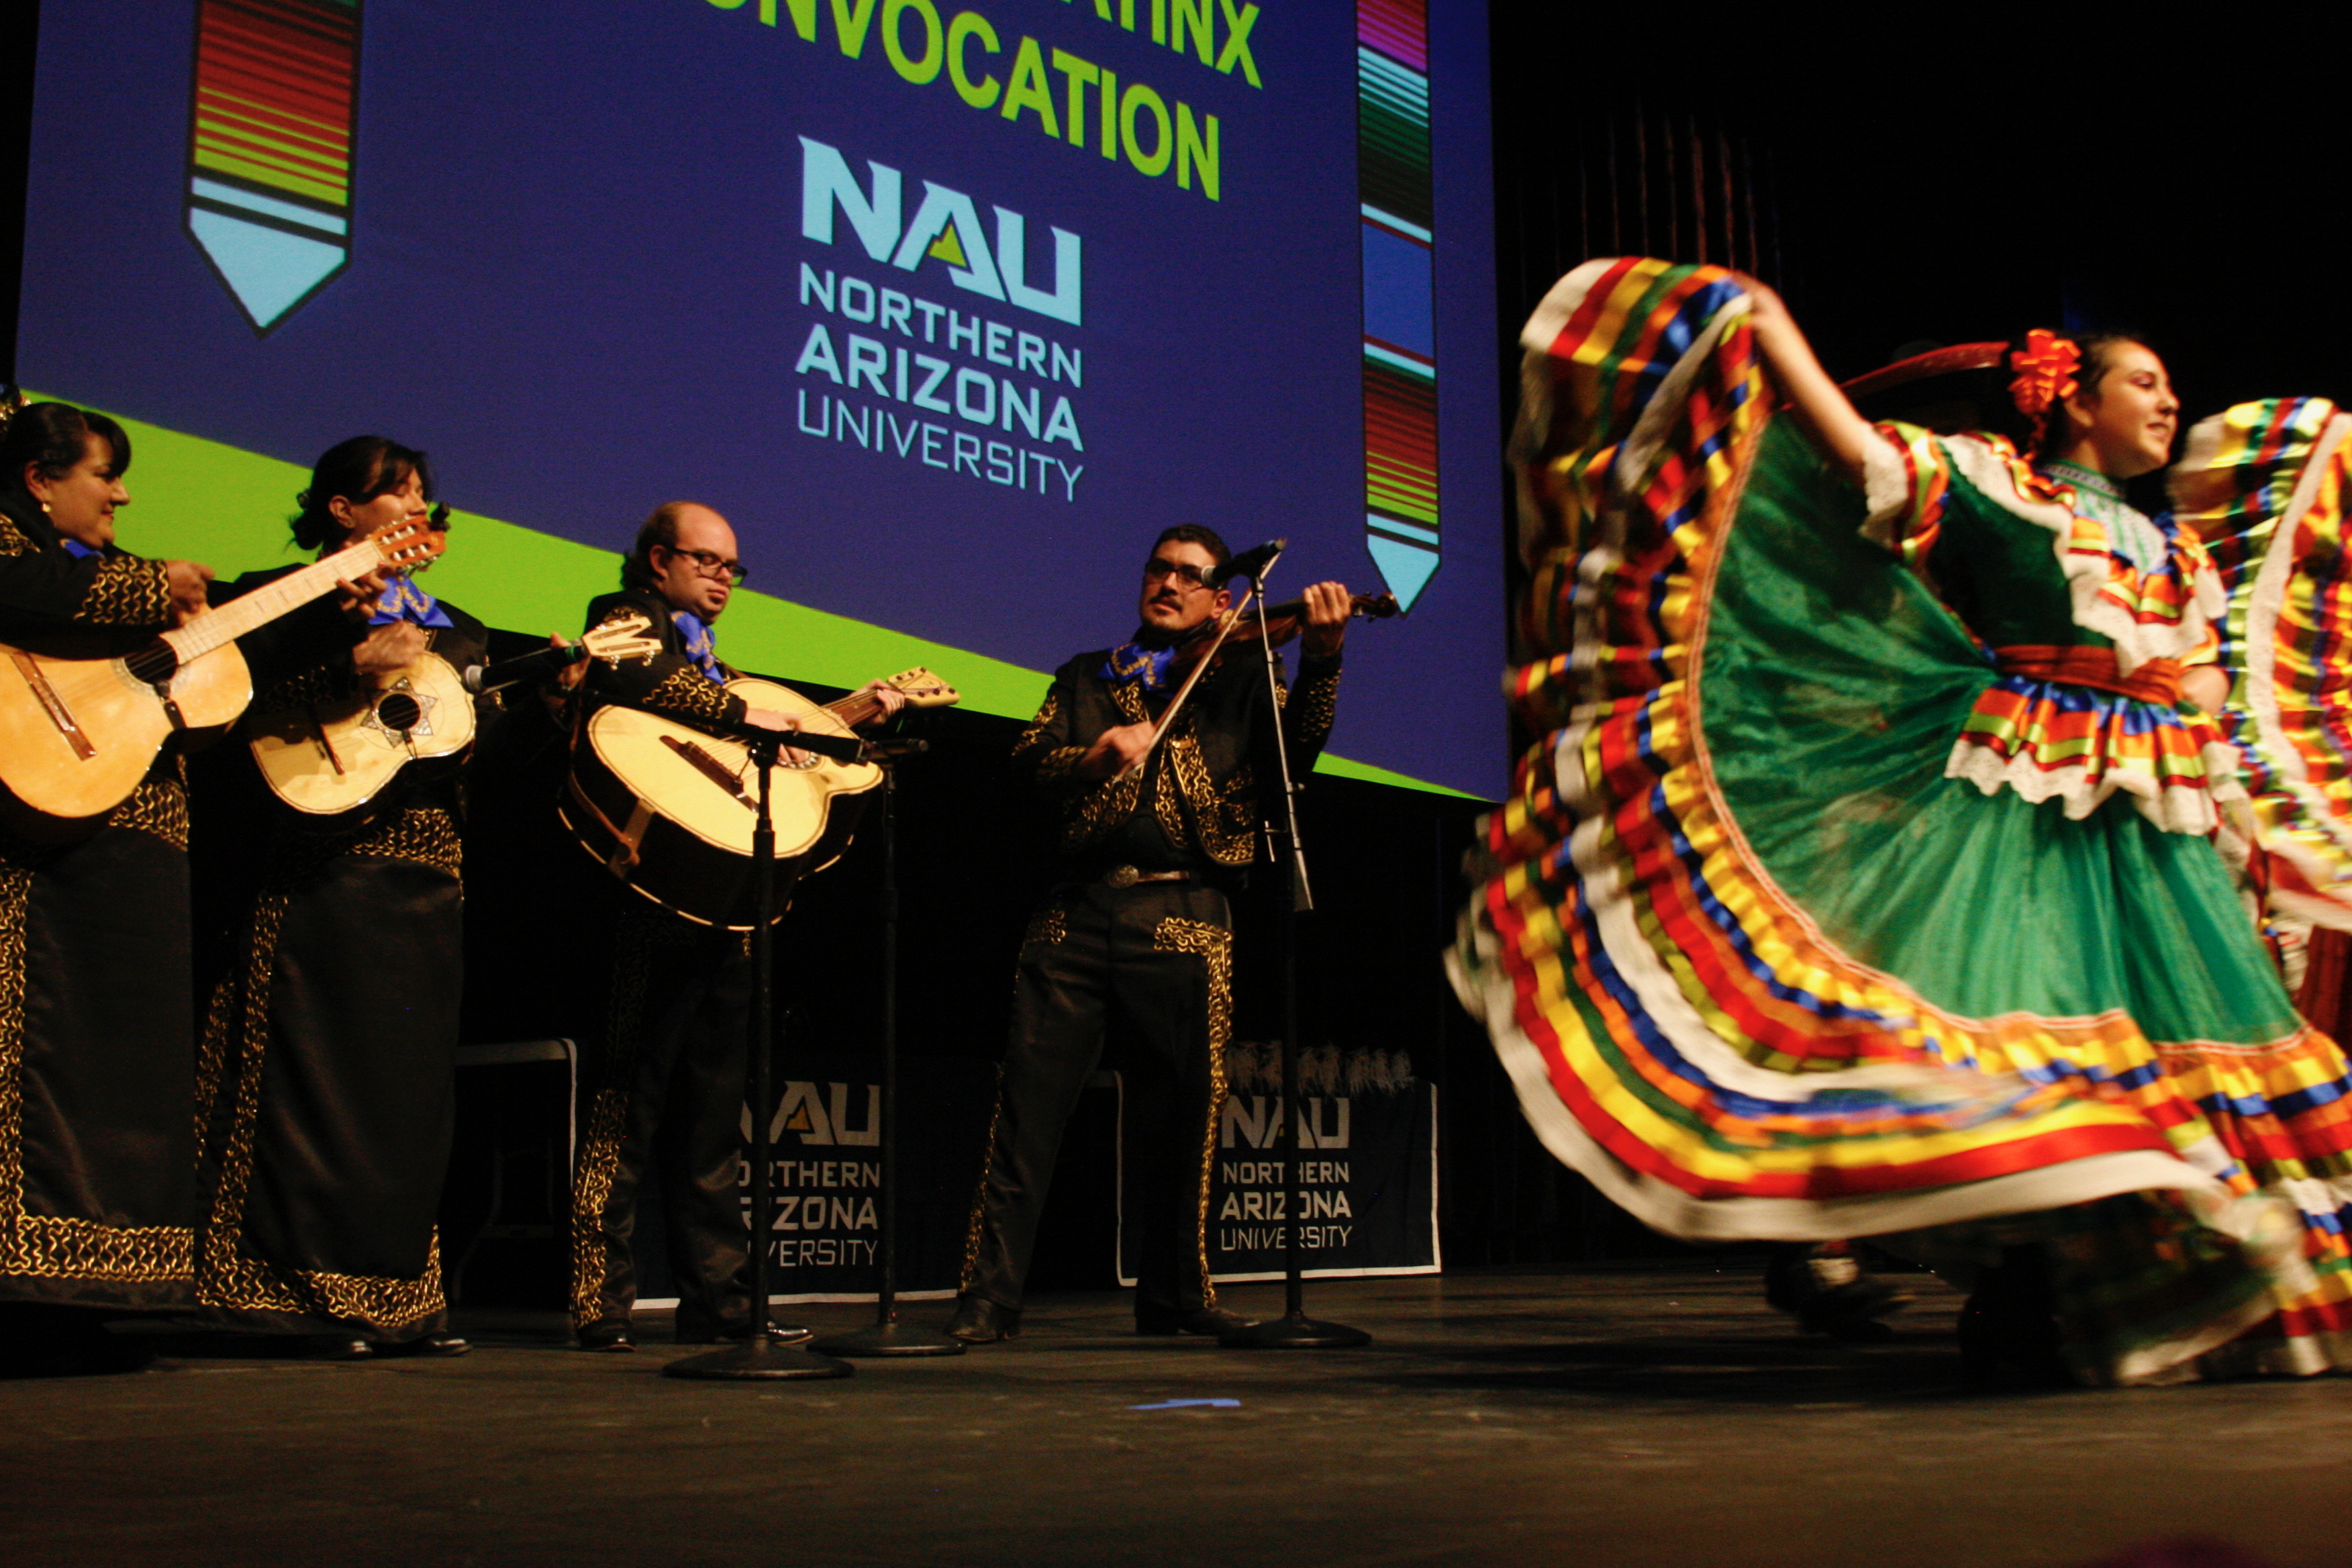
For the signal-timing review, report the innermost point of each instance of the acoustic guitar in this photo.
(77, 734)
(669, 809)
(334, 757)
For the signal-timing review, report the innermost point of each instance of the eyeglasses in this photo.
(710, 563)
(1158, 566)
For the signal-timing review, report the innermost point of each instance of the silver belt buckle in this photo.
(1122, 877)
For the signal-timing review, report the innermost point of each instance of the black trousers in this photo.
(1159, 955)
(668, 1105)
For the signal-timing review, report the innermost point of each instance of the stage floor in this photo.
(1659, 1418)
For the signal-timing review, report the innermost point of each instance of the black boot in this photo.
(980, 1321)
(1213, 1322)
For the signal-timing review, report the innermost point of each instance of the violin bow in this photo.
(1231, 619)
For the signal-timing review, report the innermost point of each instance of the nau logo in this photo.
(945, 227)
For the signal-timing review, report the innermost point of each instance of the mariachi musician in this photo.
(1152, 837)
(326, 1074)
(96, 1023)
(668, 1089)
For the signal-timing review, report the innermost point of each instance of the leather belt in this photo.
(1128, 877)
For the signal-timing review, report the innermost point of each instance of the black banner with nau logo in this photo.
(827, 1133)
(1367, 1168)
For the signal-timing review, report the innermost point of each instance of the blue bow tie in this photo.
(701, 646)
(404, 601)
(1136, 662)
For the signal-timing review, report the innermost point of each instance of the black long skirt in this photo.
(327, 1067)
(98, 1195)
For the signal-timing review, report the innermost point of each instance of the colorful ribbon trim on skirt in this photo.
(2066, 723)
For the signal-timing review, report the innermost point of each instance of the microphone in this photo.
(486, 678)
(1254, 563)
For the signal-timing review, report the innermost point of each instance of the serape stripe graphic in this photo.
(1396, 204)
(273, 120)
(1400, 446)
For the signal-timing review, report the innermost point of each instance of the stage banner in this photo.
(826, 1125)
(1367, 1153)
(949, 308)
(1367, 1170)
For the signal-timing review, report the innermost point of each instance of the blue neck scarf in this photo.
(702, 644)
(404, 601)
(77, 549)
(1134, 661)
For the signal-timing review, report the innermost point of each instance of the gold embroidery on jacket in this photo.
(1317, 702)
(688, 690)
(160, 806)
(1048, 926)
(427, 835)
(1094, 816)
(1054, 771)
(127, 592)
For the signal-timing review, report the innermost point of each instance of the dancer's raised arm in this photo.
(1844, 435)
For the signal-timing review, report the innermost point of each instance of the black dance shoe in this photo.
(322, 1347)
(615, 1337)
(428, 1345)
(980, 1321)
(1829, 1292)
(1211, 1322)
(736, 1332)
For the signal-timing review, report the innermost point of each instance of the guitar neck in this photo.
(856, 708)
(215, 628)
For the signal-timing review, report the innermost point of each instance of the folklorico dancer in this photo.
(1152, 839)
(98, 1206)
(326, 1072)
(1861, 884)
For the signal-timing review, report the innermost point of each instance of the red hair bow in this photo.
(2045, 372)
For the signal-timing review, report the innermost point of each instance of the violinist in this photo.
(1152, 837)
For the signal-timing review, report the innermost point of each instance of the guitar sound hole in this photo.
(399, 711)
(155, 664)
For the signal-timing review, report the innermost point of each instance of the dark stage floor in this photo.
(1655, 1418)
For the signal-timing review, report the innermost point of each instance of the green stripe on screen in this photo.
(204, 500)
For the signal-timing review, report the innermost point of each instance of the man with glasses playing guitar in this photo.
(1155, 829)
(670, 1088)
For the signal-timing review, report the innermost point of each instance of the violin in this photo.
(1206, 647)
(1280, 622)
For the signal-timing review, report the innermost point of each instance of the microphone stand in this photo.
(1294, 1330)
(761, 1356)
(889, 1336)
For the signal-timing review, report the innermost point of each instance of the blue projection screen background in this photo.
(949, 309)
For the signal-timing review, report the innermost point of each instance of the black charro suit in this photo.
(1157, 952)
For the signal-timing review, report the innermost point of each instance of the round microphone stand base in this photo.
(759, 1360)
(891, 1339)
(1297, 1331)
